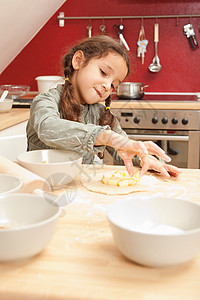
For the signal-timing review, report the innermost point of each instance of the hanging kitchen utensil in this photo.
(190, 34)
(103, 28)
(142, 44)
(119, 30)
(155, 66)
(89, 28)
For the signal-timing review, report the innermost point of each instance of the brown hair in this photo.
(95, 47)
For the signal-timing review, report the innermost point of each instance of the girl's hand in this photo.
(127, 149)
(132, 148)
(149, 162)
(124, 144)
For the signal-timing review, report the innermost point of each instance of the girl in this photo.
(70, 117)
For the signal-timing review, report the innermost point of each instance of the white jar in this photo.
(45, 83)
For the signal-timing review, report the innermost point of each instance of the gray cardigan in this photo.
(47, 129)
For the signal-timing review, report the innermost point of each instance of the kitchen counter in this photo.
(18, 115)
(82, 261)
(141, 104)
(13, 117)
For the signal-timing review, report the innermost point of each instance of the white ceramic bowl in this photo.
(27, 224)
(6, 105)
(156, 232)
(58, 167)
(9, 184)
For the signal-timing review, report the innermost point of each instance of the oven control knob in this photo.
(164, 120)
(174, 121)
(126, 120)
(184, 121)
(154, 120)
(136, 120)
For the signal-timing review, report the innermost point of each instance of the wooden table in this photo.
(13, 117)
(82, 261)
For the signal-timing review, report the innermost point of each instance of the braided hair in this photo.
(94, 47)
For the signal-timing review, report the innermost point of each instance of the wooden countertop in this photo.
(82, 261)
(13, 117)
(141, 104)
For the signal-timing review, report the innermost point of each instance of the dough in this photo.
(94, 183)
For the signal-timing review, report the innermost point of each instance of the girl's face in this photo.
(94, 82)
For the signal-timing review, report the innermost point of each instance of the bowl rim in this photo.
(34, 225)
(20, 183)
(15, 85)
(119, 203)
(45, 164)
(49, 77)
(130, 83)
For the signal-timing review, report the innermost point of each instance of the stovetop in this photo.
(154, 118)
(162, 97)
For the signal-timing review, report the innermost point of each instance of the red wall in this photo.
(180, 64)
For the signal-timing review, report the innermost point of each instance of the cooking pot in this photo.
(130, 90)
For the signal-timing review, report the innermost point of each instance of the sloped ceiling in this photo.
(20, 20)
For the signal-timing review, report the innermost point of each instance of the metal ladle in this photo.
(155, 66)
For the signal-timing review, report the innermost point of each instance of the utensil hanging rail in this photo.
(61, 17)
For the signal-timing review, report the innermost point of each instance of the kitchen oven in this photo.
(172, 122)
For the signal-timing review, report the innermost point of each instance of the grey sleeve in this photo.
(60, 133)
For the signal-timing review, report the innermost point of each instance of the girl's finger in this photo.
(154, 164)
(165, 157)
(145, 168)
(157, 166)
(129, 166)
(172, 170)
(163, 171)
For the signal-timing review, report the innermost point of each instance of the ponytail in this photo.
(69, 107)
(107, 118)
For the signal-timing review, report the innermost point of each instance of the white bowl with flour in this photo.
(156, 232)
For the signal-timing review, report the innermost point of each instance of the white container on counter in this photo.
(45, 83)
(198, 96)
(6, 105)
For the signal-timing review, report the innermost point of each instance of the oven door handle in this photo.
(152, 137)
